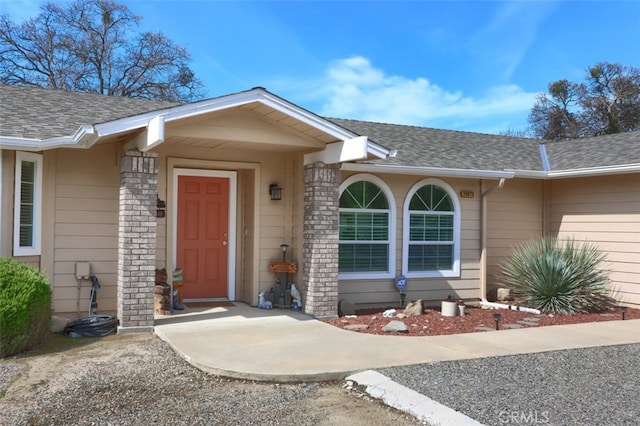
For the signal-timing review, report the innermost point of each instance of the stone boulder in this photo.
(503, 294)
(413, 308)
(346, 307)
(395, 327)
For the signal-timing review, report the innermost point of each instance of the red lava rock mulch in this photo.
(431, 323)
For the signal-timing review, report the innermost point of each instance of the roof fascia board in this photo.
(427, 171)
(358, 148)
(595, 171)
(568, 173)
(84, 137)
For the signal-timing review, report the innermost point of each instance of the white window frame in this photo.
(391, 266)
(444, 273)
(35, 248)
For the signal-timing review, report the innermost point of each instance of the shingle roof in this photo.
(427, 147)
(35, 113)
(602, 151)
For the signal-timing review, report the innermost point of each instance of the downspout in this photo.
(483, 257)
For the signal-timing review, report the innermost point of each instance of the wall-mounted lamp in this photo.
(160, 208)
(275, 192)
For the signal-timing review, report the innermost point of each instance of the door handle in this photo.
(224, 243)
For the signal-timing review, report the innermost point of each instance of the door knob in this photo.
(224, 243)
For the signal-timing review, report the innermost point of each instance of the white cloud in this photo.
(354, 88)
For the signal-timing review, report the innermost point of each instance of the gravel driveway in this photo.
(595, 386)
(139, 380)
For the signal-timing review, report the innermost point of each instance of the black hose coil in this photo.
(93, 325)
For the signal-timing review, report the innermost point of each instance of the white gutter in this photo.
(483, 259)
(84, 137)
(427, 171)
(594, 171)
(585, 172)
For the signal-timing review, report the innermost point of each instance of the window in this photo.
(366, 229)
(27, 208)
(431, 231)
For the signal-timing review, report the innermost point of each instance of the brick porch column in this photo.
(137, 240)
(320, 239)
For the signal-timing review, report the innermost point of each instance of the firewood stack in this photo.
(162, 296)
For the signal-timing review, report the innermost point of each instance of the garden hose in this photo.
(92, 326)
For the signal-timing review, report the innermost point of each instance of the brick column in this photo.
(137, 240)
(320, 246)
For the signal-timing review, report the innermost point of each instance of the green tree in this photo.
(92, 46)
(607, 102)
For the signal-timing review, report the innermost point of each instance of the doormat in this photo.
(208, 304)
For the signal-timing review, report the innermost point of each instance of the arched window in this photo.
(367, 218)
(431, 226)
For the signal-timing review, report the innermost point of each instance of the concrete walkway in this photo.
(284, 346)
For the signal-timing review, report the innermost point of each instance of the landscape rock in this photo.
(346, 307)
(413, 308)
(58, 324)
(395, 327)
(503, 294)
(356, 327)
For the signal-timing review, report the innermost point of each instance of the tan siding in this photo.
(86, 226)
(604, 211)
(514, 216)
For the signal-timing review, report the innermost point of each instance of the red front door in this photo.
(202, 240)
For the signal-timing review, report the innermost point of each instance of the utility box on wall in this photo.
(83, 270)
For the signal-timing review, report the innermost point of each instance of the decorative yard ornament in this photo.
(401, 284)
(296, 298)
(263, 303)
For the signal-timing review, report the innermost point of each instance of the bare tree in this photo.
(91, 46)
(609, 102)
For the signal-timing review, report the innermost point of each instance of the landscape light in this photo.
(496, 318)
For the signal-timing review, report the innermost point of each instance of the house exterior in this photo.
(127, 186)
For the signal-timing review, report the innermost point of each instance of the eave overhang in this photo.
(427, 171)
(151, 128)
(582, 172)
(84, 137)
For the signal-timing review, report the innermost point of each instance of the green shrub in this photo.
(25, 307)
(557, 278)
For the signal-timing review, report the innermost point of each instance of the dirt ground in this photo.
(137, 379)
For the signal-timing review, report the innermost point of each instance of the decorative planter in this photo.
(449, 308)
(461, 309)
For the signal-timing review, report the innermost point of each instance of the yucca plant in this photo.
(557, 277)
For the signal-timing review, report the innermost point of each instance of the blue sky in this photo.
(462, 65)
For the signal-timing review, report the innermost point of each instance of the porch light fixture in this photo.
(284, 248)
(496, 318)
(275, 192)
(623, 310)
